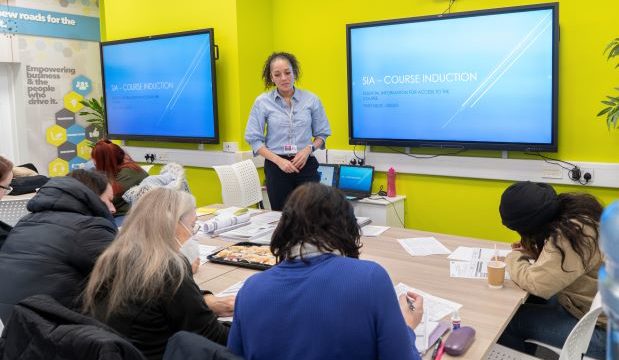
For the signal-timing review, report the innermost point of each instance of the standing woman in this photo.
(285, 126)
(120, 169)
(6, 175)
(556, 260)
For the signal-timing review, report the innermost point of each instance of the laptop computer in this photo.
(355, 181)
(328, 174)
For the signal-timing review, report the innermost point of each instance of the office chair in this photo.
(240, 184)
(575, 345)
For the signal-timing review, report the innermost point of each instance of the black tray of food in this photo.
(245, 254)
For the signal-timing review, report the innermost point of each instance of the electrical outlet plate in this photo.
(584, 171)
(162, 157)
(552, 172)
(339, 159)
(231, 146)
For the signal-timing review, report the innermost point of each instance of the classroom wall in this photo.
(242, 47)
(315, 32)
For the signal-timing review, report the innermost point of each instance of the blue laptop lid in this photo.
(356, 181)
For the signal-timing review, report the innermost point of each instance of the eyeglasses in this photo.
(195, 229)
(8, 189)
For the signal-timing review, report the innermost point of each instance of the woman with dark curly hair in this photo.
(285, 126)
(557, 260)
(320, 299)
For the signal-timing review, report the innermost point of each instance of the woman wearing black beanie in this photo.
(556, 260)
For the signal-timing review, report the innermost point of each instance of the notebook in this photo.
(328, 174)
(355, 181)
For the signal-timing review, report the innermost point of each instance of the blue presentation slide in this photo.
(160, 87)
(355, 178)
(480, 78)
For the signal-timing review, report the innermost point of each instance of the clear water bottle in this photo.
(609, 276)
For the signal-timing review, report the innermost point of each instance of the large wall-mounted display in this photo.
(161, 87)
(484, 79)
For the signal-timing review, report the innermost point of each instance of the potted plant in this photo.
(95, 111)
(612, 102)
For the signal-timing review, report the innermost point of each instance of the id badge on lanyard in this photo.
(290, 148)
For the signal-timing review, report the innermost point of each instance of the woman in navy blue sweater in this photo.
(321, 301)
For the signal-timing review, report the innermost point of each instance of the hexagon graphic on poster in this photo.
(75, 134)
(58, 167)
(92, 133)
(82, 85)
(84, 149)
(72, 101)
(56, 135)
(67, 151)
(76, 163)
(65, 118)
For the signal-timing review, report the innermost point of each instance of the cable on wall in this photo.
(574, 172)
(448, 10)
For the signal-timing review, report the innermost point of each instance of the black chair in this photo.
(42, 328)
(189, 346)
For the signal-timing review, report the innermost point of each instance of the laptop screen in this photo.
(356, 180)
(327, 173)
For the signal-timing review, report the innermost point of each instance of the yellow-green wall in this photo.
(246, 31)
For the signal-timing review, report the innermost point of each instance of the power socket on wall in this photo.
(231, 146)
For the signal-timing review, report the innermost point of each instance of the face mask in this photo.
(191, 247)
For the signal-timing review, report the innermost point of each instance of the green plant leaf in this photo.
(604, 111)
(609, 103)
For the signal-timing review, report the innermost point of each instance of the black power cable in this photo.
(574, 172)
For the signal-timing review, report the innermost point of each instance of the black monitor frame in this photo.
(484, 145)
(184, 139)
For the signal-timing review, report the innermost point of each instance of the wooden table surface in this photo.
(487, 310)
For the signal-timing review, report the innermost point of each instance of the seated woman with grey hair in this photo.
(142, 286)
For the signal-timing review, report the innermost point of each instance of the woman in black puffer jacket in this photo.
(52, 250)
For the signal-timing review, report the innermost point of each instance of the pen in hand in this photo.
(411, 304)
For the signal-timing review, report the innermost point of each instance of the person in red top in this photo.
(122, 172)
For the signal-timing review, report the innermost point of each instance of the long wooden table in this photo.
(487, 310)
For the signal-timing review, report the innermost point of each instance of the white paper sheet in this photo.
(230, 210)
(248, 232)
(434, 309)
(423, 246)
(363, 221)
(470, 269)
(232, 290)
(206, 250)
(266, 218)
(463, 253)
(373, 230)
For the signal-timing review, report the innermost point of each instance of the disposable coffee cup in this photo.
(496, 274)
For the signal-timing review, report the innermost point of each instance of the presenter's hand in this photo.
(287, 166)
(301, 158)
(411, 317)
(221, 305)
